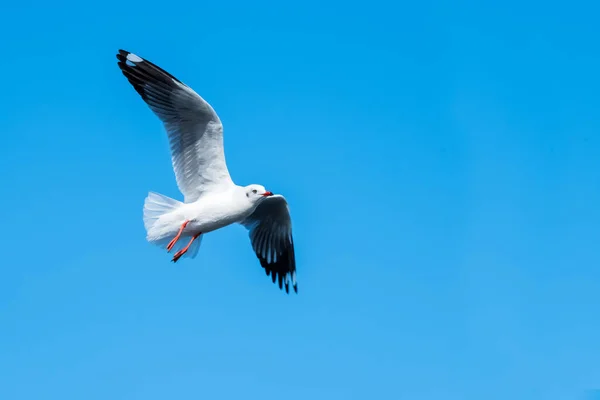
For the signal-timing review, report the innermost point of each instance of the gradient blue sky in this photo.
(441, 158)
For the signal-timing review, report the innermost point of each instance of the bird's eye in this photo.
(254, 191)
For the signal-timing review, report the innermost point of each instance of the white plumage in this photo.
(211, 199)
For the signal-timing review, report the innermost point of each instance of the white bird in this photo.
(211, 199)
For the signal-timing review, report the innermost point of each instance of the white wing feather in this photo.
(193, 127)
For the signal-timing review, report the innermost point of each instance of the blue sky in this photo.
(442, 164)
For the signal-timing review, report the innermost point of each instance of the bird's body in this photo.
(209, 213)
(211, 199)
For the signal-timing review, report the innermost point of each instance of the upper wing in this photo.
(270, 229)
(194, 129)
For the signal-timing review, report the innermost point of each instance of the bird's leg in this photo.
(176, 238)
(185, 249)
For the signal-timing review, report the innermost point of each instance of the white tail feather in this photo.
(155, 206)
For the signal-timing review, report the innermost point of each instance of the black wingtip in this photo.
(127, 60)
(283, 280)
(122, 55)
(143, 74)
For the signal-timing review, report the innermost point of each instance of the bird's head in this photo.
(256, 193)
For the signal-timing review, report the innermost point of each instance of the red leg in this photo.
(185, 249)
(176, 238)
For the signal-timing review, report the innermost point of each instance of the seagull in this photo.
(211, 199)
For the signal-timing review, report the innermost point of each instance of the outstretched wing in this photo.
(193, 127)
(270, 229)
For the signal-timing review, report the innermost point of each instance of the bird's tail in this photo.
(155, 206)
(160, 228)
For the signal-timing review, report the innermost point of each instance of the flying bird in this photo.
(211, 199)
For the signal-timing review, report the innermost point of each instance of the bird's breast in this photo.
(207, 216)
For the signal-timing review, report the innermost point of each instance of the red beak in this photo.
(268, 194)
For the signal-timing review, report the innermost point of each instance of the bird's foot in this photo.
(178, 255)
(176, 238)
(181, 252)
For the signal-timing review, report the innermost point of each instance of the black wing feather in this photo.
(272, 241)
